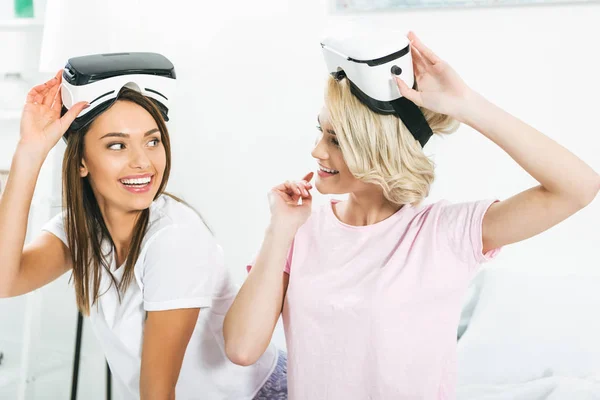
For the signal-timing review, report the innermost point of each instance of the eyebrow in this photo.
(125, 135)
(330, 131)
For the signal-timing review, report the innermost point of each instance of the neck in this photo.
(365, 208)
(120, 225)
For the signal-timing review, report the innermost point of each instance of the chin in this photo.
(141, 203)
(324, 188)
(321, 188)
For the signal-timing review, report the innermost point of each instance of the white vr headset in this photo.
(99, 78)
(369, 66)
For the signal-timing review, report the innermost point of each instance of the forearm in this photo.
(166, 337)
(251, 320)
(15, 204)
(557, 169)
(156, 390)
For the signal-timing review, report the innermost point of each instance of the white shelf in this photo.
(21, 24)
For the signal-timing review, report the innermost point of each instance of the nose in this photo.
(320, 151)
(139, 159)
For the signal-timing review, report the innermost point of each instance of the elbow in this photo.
(592, 192)
(9, 284)
(240, 349)
(241, 354)
(5, 292)
(239, 346)
(240, 358)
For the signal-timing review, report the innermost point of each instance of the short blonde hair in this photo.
(379, 149)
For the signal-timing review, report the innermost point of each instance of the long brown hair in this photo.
(84, 225)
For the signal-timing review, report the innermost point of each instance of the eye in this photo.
(116, 146)
(154, 142)
(319, 128)
(335, 141)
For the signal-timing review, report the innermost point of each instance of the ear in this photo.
(83, 170)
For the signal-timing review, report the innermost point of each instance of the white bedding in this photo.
(549, 388)
(530, 337)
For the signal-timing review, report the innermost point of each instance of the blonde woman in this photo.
(372, 286)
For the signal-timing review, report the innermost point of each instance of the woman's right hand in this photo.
(283, 202)
(41, 124)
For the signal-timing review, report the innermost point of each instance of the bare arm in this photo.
(166, 337)
(251, 320)
(25, 269)
(567, 184)
(14, 210)
(43, 260)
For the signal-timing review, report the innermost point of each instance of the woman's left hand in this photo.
(439, 87)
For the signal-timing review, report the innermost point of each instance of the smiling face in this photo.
(124, 157)
(333, 174)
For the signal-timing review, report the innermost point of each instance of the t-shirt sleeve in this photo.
(288, 261)
(461, 226)
(56, 226)
(179, 268)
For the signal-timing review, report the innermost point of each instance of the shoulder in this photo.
(464, 211)
(177, 218)
(56, 226)
(448, 210)
(175, 227)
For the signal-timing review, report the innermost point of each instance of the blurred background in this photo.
(250, 85)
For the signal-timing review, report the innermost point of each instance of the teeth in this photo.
(329, 171)
(138, 181)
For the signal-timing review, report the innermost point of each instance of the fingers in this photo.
(287, 193)
(419, 63)
(427, 53)
(304, 185)
(50, 95)
(293, 191)
(305, 200)
(289, 189)
(284, 195)
(293, 200)
(37, 95)
(409, 93)
(57, 104)
(300, 188)
(308, 176)
(70, 116)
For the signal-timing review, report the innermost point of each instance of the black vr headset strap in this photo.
(413, 118)
(403, 108)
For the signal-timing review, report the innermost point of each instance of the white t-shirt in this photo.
(180, 266)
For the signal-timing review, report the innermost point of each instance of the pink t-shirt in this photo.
(371, 312)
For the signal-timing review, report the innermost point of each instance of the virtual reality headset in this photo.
(99, 78)
(370, 66)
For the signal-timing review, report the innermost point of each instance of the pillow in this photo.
(526, 326)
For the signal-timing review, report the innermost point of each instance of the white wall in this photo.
(251, 84)
(250, 94)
